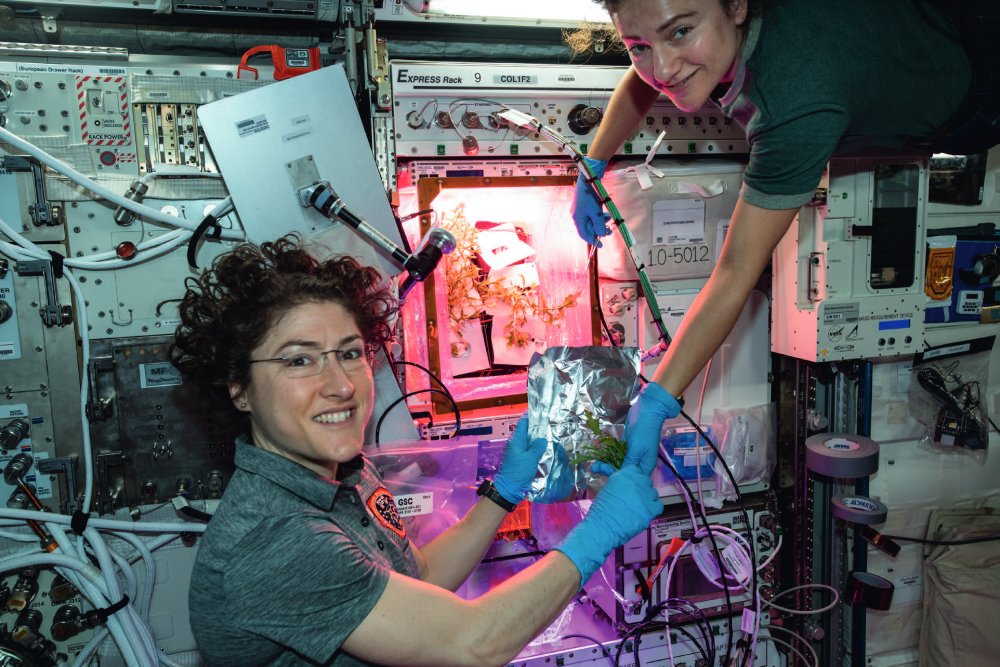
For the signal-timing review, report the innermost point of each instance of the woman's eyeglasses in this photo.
(307, 364)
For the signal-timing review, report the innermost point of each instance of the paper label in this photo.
(251, 126)
(415, 504)
(678, 221)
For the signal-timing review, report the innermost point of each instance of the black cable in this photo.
(707, 649)
(682, 604)
(600, 309)
(410, 216)
(995, 428)
(701, 649)
(435, 378)
(378, 424)
(429, 372)
(944, 543)
(151, 509)
(599, 645)
(652, 626)
(192, 513)
(715, 548)
(208, 227)
(743, 512)
(625, 640)
(604, 323)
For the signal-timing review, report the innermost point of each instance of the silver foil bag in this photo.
(563, 384)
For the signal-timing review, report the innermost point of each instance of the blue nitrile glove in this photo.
(520, 463)
(623, 509)
(602, 468)
(644, 425)
(587, 211)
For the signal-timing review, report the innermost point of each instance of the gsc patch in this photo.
(383, 507)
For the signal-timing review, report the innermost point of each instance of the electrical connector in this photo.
(62, 590)
(66, 623)
(25, 589)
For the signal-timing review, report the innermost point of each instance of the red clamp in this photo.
(287, 62)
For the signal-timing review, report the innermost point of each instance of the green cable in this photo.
(616, 217)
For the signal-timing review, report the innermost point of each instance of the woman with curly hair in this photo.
(806, 79)
(306, 561)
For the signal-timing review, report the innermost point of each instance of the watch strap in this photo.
(486, 489)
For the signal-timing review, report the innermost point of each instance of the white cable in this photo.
(129, 619)
(697, 435)
(108, 524)
(774, 553)
(87, 652)
(153, 544)
(802, 639)
(121, 624)
(177, 239)
(101, 191)
(19, 537)
(756, 629)
(804, 612)
(791, 648)
(162, 244)
(94, 595)
(728, 537)
(83, 330)
(130, 632)
(108, 260)
(127, 573)
(150, 571)
(132, 624)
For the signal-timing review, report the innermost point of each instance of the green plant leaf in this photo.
(602, 447)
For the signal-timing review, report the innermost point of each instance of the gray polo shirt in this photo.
(292, 563)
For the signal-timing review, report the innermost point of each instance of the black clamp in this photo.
(79, 522)
(57, 264)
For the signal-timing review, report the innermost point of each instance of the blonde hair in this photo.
(593, 38)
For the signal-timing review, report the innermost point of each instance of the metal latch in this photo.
(42, 213)
(99, 407)
(53, 313)
(65, 465)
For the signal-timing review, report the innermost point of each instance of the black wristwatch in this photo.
(487, 489)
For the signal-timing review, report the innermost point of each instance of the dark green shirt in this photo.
(817, 78)
(292, 562)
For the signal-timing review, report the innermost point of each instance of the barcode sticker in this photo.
(250, 126)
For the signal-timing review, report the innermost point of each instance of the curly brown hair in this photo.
(228, 310)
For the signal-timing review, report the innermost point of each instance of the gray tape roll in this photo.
(841, 455)
(859, 509)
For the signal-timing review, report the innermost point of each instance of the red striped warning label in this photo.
(103, 107)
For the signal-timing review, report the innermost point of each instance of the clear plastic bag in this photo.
(946, 395)
(748, 444)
